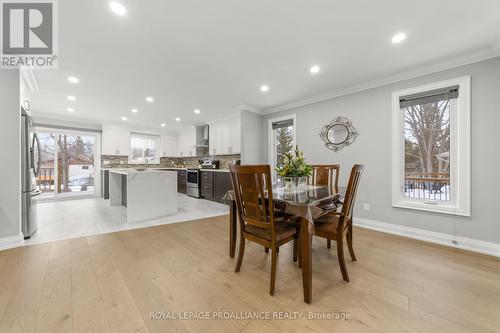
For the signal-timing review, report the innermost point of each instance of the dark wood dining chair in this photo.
(257, 219)
(337, 225)
(327, 175)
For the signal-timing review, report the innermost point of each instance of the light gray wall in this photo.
(252, 142)
(370, 112)
(10, 137)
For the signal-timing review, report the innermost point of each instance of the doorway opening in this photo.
(68, 167)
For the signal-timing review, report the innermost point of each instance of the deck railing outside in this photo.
(427, 185)
(46, 180)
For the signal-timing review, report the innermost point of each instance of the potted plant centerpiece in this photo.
(294, 171)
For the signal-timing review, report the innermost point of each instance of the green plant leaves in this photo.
(294, 165)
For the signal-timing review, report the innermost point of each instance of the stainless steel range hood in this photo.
(203, 143)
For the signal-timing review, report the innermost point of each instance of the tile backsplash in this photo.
(113, 161)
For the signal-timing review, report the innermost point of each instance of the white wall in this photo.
(370, 112)
(10, 159)
(252, 138)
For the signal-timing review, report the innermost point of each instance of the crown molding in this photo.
(251, 108)
(29, 78)
(492, 52)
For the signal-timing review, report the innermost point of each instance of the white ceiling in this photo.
(214, 55)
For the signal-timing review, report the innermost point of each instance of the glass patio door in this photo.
(68, 164)
(46, 176)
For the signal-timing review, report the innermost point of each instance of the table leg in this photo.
(305, 248)
(232, 229)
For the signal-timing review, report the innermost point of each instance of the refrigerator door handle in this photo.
(36, 168)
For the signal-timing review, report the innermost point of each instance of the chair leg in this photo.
(273, 271)
(241, 251)
(295, 245)
(328, 243)
(349, 244)
(266, 249)
(340, 255)
(300, 253)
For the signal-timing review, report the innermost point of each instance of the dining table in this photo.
(302, 202)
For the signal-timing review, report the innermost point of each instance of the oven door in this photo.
(193, 183)
(192, 178)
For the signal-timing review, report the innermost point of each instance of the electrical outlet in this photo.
(366, 207)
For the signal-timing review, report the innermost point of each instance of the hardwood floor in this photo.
(111, 283)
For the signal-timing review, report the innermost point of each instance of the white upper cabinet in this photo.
(186, 140)
(235, 147)
(168, 146)
(115, 141)
(225, 136)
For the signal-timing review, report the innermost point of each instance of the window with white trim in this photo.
(281, 139)
(144, 149)
(431, 147)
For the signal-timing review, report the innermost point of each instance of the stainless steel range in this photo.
(193, 183)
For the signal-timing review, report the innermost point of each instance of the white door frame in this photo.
(97, 163)
(270, 141)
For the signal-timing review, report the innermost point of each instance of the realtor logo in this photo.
(28, 34)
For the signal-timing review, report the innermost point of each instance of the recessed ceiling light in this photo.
(177, 119)
(264, 88)
(314, 69)
(197, 111)
(71, 98)
(150, 99)
(118, 8)
(70, 109)
(163, 125)
(134, 110)
(73, 79)
(398, 38)
(124, 118)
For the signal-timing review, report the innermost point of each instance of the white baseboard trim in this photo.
(463, 243)
(10, 242)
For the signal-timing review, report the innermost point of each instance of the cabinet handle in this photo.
(214, 151)
(230, 149)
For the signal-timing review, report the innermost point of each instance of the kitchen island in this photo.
(147, 194)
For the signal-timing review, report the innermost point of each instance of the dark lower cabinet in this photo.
(214, 185)
(222, 184)
(105, 184)
(207, 185)
(181, 181)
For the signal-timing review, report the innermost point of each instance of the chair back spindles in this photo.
(352, 189)
(250, 185)
(326, 175)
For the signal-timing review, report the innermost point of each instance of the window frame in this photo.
(157, 139)
(270, 145)
(460, 152)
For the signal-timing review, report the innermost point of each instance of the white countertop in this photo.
(126, 171)
(134, 171)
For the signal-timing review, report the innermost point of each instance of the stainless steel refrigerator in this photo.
(30, 167)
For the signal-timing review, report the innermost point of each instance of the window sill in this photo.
(431, 207)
